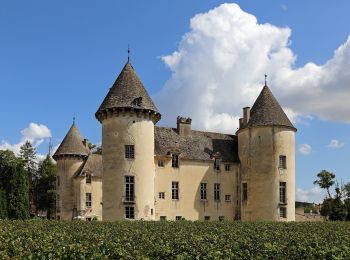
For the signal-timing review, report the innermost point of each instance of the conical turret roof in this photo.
(72, 144)
(127, 92)
(266, 111)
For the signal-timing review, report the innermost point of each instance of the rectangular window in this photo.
(283, 162)
(221, 218)
(283, 212)
(175, 190)
(163, 218)
(178, 217)
(206, 218)
(283, 189)
(129, 188)
(227, 197)
(244, 191)
(58, 181)
(88, 178)
(217, 163)
(88, 200)
(227, 167)
(216, 191)
(160, 163)
(129, 151)
(58, 203)
(175, 161)
(129, 212)
(203, 191)
(162, 195)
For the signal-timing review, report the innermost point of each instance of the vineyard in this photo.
(174, 240)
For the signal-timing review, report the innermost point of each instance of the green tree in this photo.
(46, 186)
(325, 180)
(347, 200)
(14, 186)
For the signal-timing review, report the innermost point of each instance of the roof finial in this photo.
(128, 53)
(265, 79)
(74, 119)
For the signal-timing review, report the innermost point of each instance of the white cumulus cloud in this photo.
(219, 68)
(335, 144)
(309, 195)
(34, 133)
(305, 149)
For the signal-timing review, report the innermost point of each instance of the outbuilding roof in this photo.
(92, 165)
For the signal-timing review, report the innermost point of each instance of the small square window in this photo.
(283, 212)
(129, 151)
(227, 197)
(130, 212)
(283, 162)
(162, 195)
(160, 163)
(227, 167)
(178, 217)
(206, 218)
(163, 218)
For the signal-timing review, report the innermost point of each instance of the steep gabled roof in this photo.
(266, 111)
(197, 145)
(127, 92)
(92, 165)
(72, 144)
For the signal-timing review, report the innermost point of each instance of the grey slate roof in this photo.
(127, 92)
(266, 111)
(197, 145)
(92, 165)
(72, 144)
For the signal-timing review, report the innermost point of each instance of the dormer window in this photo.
(175, 160)
(88, 178)
(217, 164)
(137, 101)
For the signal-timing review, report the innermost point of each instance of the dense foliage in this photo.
(169, 240)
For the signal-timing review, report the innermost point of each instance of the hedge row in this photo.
(173, 240)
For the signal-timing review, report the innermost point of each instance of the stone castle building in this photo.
(158, 173)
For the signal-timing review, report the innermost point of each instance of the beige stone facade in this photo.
(160, 173)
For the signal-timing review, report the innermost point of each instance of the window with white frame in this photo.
(129, 212)
(227, 197)
(203, 191)
(216, 191)
(88, 200)
(129, 151)
(88, 178)
(283, 162)
(217, 164)
(283, 192)
(161, 195)
(283, 212)
(175, 161)
(175, 190)
(129, 188)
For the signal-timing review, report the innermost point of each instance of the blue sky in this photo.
(58, 60)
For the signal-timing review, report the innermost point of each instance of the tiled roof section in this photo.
(72, 144)
(266, 111)
(195, 146)
(92, 165)
(128, 92)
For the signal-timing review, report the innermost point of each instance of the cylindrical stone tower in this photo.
(69, 156)
(128, 115)
(266, 146)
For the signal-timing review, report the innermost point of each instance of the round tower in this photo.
(69, 156)
(266, 147)
(128, 115)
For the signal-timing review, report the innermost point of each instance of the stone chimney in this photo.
(246, 116)
(183, 125)
(86, 143)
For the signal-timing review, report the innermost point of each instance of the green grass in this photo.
(174, 240)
